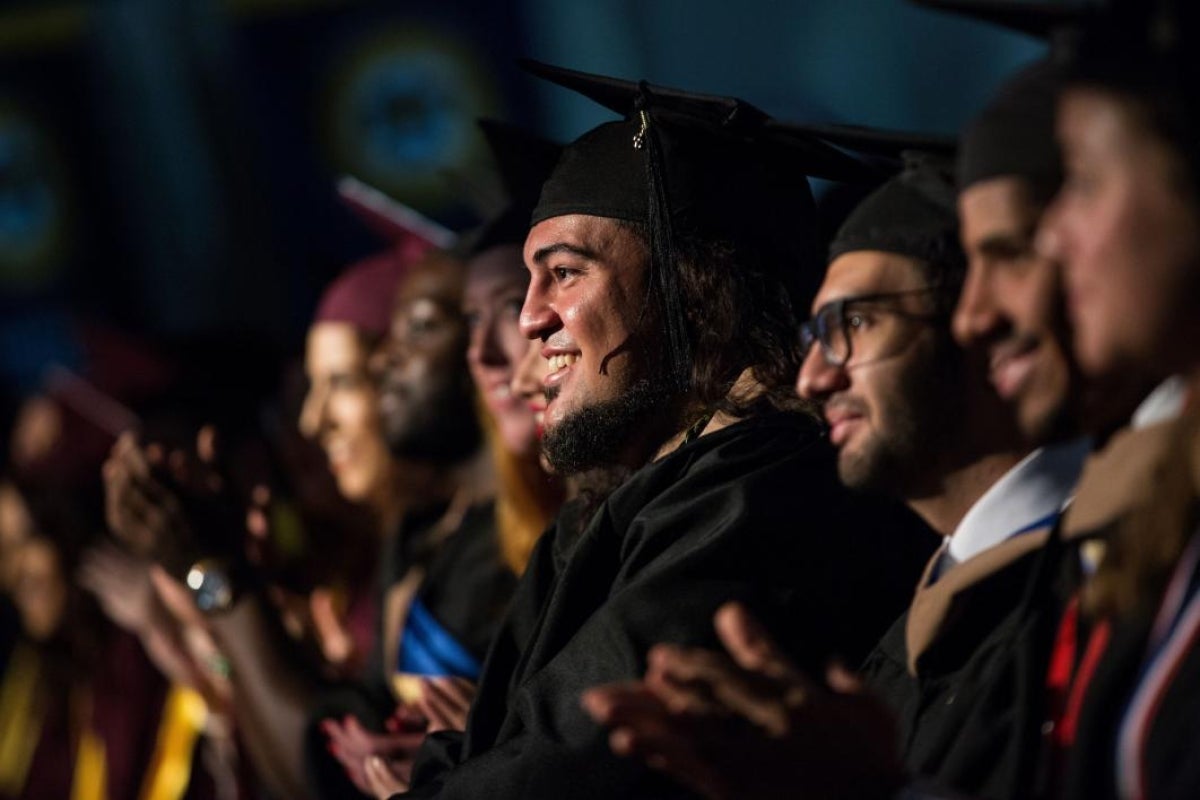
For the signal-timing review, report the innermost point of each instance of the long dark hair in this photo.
(741, 315)
(739, 303)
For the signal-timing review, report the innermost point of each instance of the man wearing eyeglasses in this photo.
(910, 413)
(882, 360)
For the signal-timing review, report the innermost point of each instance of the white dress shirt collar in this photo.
(1034, 490)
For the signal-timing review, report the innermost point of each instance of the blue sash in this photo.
(427, 648)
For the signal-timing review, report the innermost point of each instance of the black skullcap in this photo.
(1014, 134)
(883, 150)
(913, 215)
(699, 165)
(523, 161)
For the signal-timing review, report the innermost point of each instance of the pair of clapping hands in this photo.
(748, 724)
(380, 764)
(176, 505)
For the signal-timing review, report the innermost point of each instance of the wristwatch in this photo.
(212, 585)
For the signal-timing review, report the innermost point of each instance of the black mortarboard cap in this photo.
(680, 162)
(913, 214)
(523, 161)
(877, 148)
(878, 142)
(702, 138)
(1014, 134)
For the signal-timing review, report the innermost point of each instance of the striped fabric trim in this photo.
(1176, 631)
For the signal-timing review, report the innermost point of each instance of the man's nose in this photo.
(538, 318)
(976, 314)
(818, 378)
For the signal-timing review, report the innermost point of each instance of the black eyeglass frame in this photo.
(817, 329)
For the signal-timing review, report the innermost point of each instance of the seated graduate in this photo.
(527, 496)
(1125, 226)
(666, 255)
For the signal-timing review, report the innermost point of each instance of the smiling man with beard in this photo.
(666, 255)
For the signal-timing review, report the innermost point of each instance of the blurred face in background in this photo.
(341, 411)
(16, 526)
(40, 590)
(31, 568)
(1125, 227)
(492, 300)
(426, 392)
(1011, 307)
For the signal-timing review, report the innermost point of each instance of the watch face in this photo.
(211, 587)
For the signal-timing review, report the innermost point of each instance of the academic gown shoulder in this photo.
(752, 512)
(964, 669)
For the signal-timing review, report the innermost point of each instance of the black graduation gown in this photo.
(466, 586)
(1172, 751)
(752, 512)
(964, 670)
(1123, 479)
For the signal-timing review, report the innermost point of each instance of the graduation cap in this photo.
(363, 294)
(391, 219)
(523, 161)
(680, 163)
(877, 148)
(880, 142)
(914, 214)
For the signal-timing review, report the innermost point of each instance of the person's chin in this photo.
(1041, 414)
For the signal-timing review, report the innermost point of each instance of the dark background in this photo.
(167, 166)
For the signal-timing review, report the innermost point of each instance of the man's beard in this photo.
(922, 415)
(438, 425)
(597, 436)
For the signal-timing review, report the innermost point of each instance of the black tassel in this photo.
(664, 270)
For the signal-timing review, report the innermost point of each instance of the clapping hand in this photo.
(748, 724)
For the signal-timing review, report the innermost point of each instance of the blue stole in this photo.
(427, 648)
